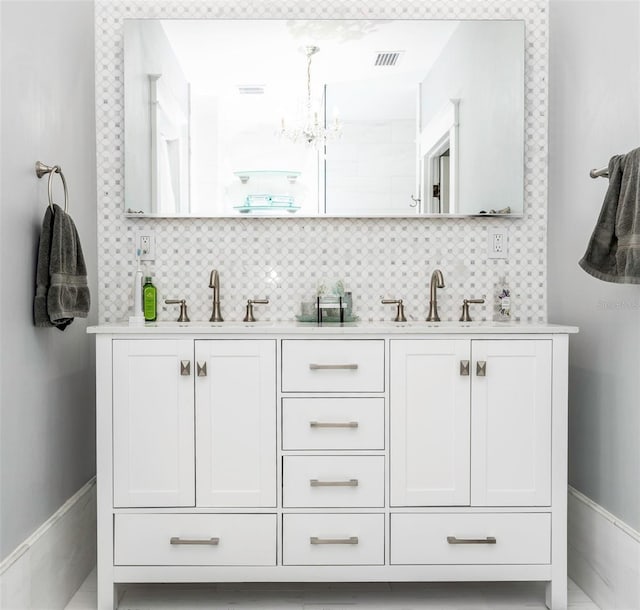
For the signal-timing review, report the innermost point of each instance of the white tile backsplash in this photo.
(284, 259)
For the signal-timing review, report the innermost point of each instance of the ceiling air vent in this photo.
(388, 58)
(250, 89)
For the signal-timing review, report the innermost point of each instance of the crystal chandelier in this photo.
(312, 132)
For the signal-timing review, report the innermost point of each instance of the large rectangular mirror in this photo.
(246, 118)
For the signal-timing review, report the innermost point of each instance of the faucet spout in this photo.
(214, 282)
(437, 281)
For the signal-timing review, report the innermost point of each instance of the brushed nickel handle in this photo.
(183, 317)
(400, 317)
(185, 367)
(331, 424)
(349, 540)
(327, 367)
(248, 316)
(195, 541)
(348, 483)
(201, 369)
(465, 317)
(481, 368)
(455, 540)
(464, 368)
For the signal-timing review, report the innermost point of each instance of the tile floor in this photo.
(337, 596)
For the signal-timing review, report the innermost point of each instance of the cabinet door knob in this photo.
(202, 369)
(185, 367)
(481, 368)
(464, 368)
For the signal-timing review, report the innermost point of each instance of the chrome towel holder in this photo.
(599, 173)
(42, 170)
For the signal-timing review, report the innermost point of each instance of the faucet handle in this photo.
(248, 316)
(465, 317)
(399, 310)
(183, 317)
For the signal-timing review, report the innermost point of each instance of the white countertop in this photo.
(356, 328)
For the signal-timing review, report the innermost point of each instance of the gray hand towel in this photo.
(613, 253)
(40, 314)
(62, 293)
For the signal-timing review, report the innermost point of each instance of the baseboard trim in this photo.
(49, 566)
(603, 554)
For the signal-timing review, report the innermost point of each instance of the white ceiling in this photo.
(218, 54)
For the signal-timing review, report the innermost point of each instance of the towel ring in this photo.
(41, 170)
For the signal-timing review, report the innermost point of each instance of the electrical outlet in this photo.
(497, 243)
(146, 243)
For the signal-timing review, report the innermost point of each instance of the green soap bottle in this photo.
(149, 300)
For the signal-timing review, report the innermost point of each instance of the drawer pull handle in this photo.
(202, 369)
(332, 367)
(206, 541)
(487, 540)
(349, 540)
(329, 424)
(185, 367)
(464, 368)
(349, 483)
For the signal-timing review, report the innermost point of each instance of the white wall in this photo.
(47, 414)
(594, 114)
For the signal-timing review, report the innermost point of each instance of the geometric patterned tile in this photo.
(285, 259)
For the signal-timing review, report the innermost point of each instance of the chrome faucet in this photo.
(437, 281)
(214, 282)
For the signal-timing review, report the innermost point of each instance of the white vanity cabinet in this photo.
(186, 440)
(284, 453)
(170, 450)
(471, 425)
(333, 464)
(471, 422)
(235, 432)
(153, 423)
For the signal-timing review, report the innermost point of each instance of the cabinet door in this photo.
(153, 451)
(236, 423)
(511, 423)
(429, 397)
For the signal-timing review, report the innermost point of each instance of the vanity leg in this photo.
(556, 595)
(107, 598)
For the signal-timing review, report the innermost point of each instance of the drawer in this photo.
(333, 481)
(195, 539)
(322, 539)
(523, 538)
(333, 365)
(332, 423)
